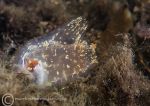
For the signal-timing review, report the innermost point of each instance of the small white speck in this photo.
(78, 65)
(31, 47)
(50, 66)
(67, 33)
(56, 34)
(66, 51)
(68, 66)
(57, 73)
(67, 57)
(45, 44)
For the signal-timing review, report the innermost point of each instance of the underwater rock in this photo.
(142, 31)
(57, 56)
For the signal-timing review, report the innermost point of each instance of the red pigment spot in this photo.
(31, 63)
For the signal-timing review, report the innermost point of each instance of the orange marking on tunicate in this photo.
(31, 63)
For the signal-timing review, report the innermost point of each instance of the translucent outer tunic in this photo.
(59, 55)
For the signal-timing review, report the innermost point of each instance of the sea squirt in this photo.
(59, 55)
